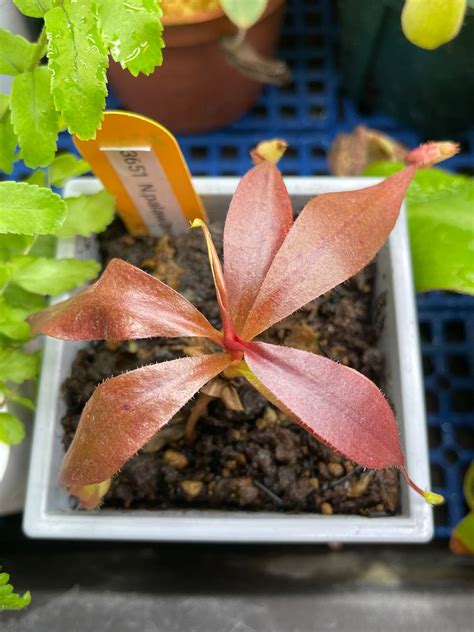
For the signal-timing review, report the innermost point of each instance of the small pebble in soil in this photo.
(326, 509)
(192, 488)
(175, 459)
(336, 469)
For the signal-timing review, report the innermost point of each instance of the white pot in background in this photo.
(13, 459)
(48, 513)
(14, 468)
(12, 20)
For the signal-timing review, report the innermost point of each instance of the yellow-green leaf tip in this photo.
(90, 496)
(433, 499)
(197, 223)
(269, 150)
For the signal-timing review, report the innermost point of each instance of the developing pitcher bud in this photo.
(429, 154)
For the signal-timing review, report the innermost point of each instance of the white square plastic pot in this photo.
(48, 513)
(14, 466)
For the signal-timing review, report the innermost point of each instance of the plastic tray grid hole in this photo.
(228, 152)
(317, 111)
(315, 62)
(438, 478)
(443, 383)
(464, 436)
(198, 152)
(442, 517)
(450, 456)
(458, 365)
(462, 400)
(318, 152)
(315, 86)
(454, 331)
(432, 401)
(428, 364)
(313, 19)
(289, 88)
(288, 111)
(435, 440)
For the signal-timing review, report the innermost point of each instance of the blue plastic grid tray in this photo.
(308, 114)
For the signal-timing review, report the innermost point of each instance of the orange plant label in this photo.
(141, 163)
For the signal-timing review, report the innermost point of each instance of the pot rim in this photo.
(195, 18)
(202, 17)
(4, 458)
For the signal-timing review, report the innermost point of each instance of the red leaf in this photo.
(338, 405)
(259, 218)
(335, 236)
(125, 303)
(126, 411)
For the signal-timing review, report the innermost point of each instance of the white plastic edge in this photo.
(414, 525)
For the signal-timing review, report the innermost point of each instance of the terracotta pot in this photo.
(196, 89)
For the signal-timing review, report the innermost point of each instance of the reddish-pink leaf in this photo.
(337, 405)
(259, 218)
(125, 303)
(430, 154)
(335, 235)
(126, 411)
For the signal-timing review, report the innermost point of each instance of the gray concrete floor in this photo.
(77, 587)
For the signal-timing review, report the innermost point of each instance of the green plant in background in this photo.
(431, 23)
(31, 218)
(244, 14)
(77, 38)
(440, 208)
(66, 90)
(462, 539)
(10, 600)
(441, 222)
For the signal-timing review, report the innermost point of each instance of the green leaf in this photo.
(18, 366)
(19, 399)
(244, 14)
(12, 432)
(78, 61)
(12, 321)
(41, 275)
(67, 166)
(8, 139)
(131, 30)
(19, 298)
(44, 246)
(30, 210)
(35, 8)
(10, 600)
(34, 117)
(440, 218)
(16, 53)
(88, 214)
(38, 177)
(5, 274)
(468, 486)
(13, 245)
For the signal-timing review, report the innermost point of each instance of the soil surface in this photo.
(254, 458)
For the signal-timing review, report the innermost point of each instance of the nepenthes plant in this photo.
(273, 266)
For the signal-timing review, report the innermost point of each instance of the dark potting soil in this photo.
(254, 458)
